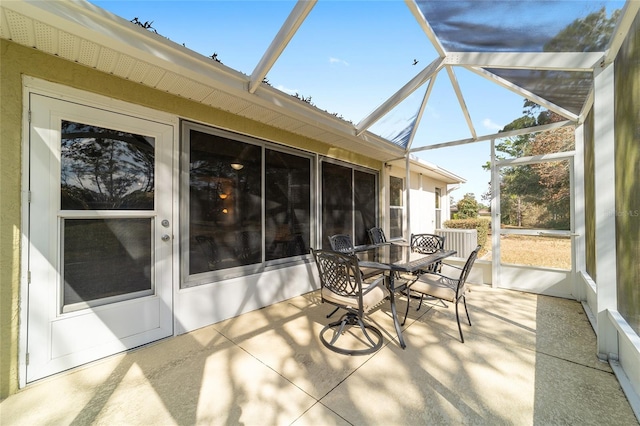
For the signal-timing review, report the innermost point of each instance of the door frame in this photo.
(31, 85)
(564, 278)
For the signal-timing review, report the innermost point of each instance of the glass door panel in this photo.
(104, 170)
(106, 260)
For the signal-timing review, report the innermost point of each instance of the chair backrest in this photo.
(377, 236)
(462, 283)
(339, 273)
(427, 243)
(341, 243)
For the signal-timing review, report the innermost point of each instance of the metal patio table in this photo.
(397, 257)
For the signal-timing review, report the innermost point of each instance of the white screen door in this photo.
(100, 231)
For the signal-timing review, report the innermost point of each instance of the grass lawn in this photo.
(549, 252)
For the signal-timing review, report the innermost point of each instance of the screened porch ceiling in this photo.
(373, 100)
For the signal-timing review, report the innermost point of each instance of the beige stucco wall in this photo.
(17, 61)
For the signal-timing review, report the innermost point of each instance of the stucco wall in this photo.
(18, 61)
(627, 152)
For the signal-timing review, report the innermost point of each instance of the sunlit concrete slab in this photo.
(526, 359)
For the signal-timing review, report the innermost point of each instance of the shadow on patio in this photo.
(527, 360)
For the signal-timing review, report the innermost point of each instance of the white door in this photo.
(100, 231)
(533, 238)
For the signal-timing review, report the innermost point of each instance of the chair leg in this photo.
(406, 312)
(372, 334)
(464, 299)
(420, 304)
(363, 327)
(458, 319)
(337, 334)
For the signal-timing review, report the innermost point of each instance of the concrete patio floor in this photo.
(527, 360)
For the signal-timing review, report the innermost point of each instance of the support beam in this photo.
(423, 106)
(399, 96)
(424, 24)
(495, 218)
(463, 105)
(523, 92)
(605, 207)
(407, 231)
(629, 12)
(556, 61)
(284, 36)
(500, 135)
(579, 217)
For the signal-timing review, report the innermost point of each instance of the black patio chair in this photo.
(342, 286)
(427, 244)
(377, 236)
(447, 285)
(342, 243)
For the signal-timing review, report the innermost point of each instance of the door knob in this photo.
(165, 237)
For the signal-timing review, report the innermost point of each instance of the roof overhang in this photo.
(420, 166)
(83, 33)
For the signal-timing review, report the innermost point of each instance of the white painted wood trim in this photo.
(605, 232)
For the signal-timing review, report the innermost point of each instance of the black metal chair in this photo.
(342, 243)
(377, 236)
(427, 244)
(447, 285)
(342, 286)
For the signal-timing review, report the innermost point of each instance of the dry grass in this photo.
(549, 252)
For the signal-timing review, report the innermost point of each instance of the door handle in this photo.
(165, 237)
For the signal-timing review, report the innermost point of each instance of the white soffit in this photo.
(80, 32)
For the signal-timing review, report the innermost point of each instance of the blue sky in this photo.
(349, 57)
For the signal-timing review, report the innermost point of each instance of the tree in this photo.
(468, 206)
(589, 34)
(538, 194)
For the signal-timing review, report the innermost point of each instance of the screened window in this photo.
(396, 207)
(247, 203)
(288, 204)
(349, 202)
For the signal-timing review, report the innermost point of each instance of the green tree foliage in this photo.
(589, 34)
(481, 225)
(468, 206)
(537, 195)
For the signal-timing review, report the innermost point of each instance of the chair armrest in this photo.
(451, 266)
(451, 282)
(376, 283)
(375, 265)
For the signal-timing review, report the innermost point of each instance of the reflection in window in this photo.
(105, 258)
(225, 203)
(337, 201)
(365, 205)
(396, 209)
(104, 169)
(349, 200)
(288, 204)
